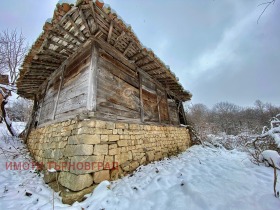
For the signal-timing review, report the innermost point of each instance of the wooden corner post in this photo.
(141, 97)
(92, 81)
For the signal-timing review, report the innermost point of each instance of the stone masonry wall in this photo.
(90, 151)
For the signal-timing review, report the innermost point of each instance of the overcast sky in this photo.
(215, 47)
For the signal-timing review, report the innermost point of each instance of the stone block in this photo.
(75, 182)
(122, 143)
(100, 176)
(80, 149)
(84, 139)
(122, 125)
(86, 164)
(114, 137)
(101, 149)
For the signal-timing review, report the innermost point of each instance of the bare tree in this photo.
(12, 51)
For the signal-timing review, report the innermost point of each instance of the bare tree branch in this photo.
(12, 52)
(265, 8)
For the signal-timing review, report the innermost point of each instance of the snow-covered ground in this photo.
(200, 178)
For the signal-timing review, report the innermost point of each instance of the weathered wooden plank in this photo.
(58, 93)
(115, 70)
(76, 26)
(117, 91)
(158, 106)
(141, 98)
(82, 16)
(127, 48)
(70, 34)
(72, 104)
(110, 31)
(92, 87)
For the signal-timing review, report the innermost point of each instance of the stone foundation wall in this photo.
(90, 151)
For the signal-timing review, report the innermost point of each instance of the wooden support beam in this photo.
(127, 48)
(156, 69)
(110, 32)
(58, 93)
(141, 98)
(93, 13)
(183, 113)
(118, 38)
(69, 34)
(141, 59)
(48, 58)
(92, 87)
(61, 47)
(60, 37)
(75, 26)
(158, 106)
(54, 53)
(47, 86)
(146, 64)
(136, 55)
(167, 104)
(45, 63)
(82, 16)
(42, 67)
(98, 34)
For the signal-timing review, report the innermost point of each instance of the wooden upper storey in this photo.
(71, 29)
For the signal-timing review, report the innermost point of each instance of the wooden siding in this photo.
(117, 98)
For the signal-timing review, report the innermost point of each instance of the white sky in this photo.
(215, 47)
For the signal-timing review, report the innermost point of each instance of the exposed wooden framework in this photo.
(68, 35)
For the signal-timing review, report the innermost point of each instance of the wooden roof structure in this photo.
(73, 27)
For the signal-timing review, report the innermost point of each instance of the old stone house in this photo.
(100, 97)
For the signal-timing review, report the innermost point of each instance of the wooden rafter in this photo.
(146, 64)
(57, 54)
(61, 46)
(84, 21)
(45, 63)
(69, 34)
(136, 55)
(118, 38)
(141, 59)
(128, 47)
(110, 31)
(76, 26)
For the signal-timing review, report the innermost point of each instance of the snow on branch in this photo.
(273, 131)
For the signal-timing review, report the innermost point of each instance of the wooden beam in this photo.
(136, 55)
(93, 13)
(127, 48)
(141, 98)
(69, 34)
(43, 102)
(146, 64)
(82, 16)
(59, 55)
(118, 38)
(60, 37)
(168, 111)
(110, 32)
(158, 106)
(141, 59)
(58, 93)
(45, 63)
(156, 69)
(76, 26)
(61, 46)
(92, 87)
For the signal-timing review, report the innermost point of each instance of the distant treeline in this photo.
(230, 118)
